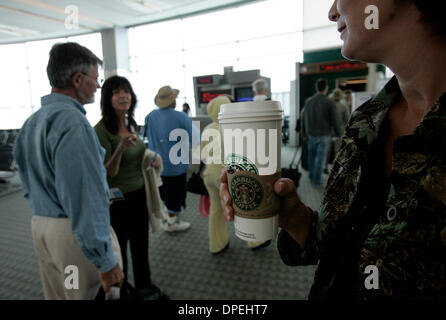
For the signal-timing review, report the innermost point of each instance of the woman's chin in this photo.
(347, 52)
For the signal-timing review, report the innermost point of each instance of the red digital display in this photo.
(205, 80)
(340, 66)
(337, 66)
(207, 96)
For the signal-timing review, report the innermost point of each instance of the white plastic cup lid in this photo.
(250, 109)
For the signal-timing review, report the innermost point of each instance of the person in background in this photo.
(61, 167)
(186, 109)
(344, 114)
(348, 99)
(159, 124)
(320, 119)
(124, 152)
(380, 233)
(218, 234)
(338, 97)
(260, 90)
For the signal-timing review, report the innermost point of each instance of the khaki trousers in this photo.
(56, 248)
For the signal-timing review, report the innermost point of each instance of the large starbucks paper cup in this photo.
(251, 134)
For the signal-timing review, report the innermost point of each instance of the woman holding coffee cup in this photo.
(381, 229)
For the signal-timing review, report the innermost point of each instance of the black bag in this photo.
(6, 158)
(304, 155)
(292, 173)
(128, 292)
(195, 183)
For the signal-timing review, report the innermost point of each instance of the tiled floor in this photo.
(180, 263)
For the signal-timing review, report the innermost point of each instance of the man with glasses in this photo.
(61, 167)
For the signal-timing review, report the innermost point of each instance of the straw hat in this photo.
(166, 95)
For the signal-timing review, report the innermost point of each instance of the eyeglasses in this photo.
(99, 82)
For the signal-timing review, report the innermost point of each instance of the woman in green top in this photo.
(124, 154)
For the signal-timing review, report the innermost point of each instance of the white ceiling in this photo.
(27, 20)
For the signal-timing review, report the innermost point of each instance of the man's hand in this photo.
(113, 278)
(157, 162)
(294, 217)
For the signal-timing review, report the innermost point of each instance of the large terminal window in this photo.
(25, 80)
(264, 35)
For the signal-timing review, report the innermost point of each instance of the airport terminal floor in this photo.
(181, 264)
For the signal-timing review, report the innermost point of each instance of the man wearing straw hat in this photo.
(160, 126)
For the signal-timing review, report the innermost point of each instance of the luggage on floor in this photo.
(293, 172)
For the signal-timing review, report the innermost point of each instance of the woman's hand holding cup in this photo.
(294, 216)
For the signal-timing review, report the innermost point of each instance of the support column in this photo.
(115, 49)
(294, 107)
(293, 142)
(372, 78)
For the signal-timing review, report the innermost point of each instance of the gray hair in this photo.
(65, 60)
(260, 85)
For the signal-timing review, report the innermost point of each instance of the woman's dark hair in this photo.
(432, 12)
(108, 112)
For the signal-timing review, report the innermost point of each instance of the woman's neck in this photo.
(121, 121)
(421, 75)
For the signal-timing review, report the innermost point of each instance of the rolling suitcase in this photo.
(293, 172)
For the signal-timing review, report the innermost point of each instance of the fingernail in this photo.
(281, 185)
(225, 199)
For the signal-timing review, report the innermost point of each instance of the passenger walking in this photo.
(320, 119)
(159, 125)
(124, 155)
(61, 167)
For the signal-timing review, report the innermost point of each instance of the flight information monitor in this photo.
(243, 94)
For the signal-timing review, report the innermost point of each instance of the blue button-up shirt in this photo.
(161, 129)
(61, 167)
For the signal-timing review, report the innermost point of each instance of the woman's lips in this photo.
(342, 28)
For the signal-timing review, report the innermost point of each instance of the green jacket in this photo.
(407, 240)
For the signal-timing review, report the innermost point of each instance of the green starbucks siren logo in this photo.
(247, 192)
(235, 163)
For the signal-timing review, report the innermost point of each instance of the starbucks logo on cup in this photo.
(236, 163)
(247, 192)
